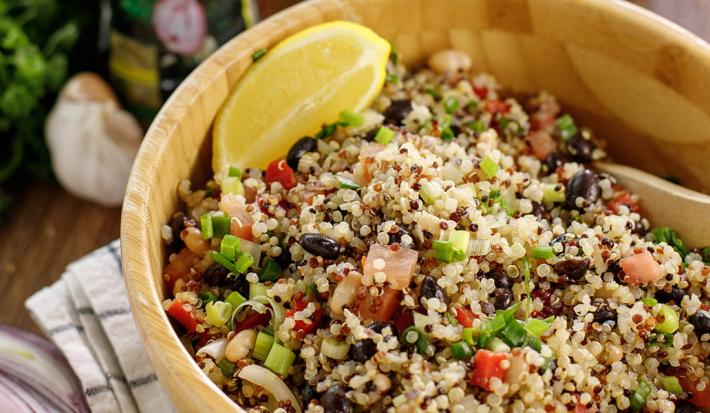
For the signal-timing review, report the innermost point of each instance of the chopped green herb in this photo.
(270, 272)
(327, 130)
(444, 251)
(447, 134)
(384, 135)
(461, 351)
(489, 167)
(392, 78)
(565, 124)
(451, 104)
(345, 183)
(394, 57)
(227, 367)
(477, 126)
(258, 54)
(544, 252)
(350, 118)
(207, 297)
(670, 237)
(433, 93)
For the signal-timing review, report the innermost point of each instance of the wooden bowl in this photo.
(638, 80)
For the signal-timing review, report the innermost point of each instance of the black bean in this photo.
(500, 278)
(676, 295)
(308, 393)
(573, 268)
(553, 161)
(502, 298)
(604, 314)
(177, 224)
(320, 245)
(215, 275)
(334, 400)
(701, 322)
(284, 259)
(682, 406)
(397, 111)
(301, 147)
(430, 289)
(583, 184)
(397, 237)
(362, 350)
(580, 148)
(639, 229)
(378, 326)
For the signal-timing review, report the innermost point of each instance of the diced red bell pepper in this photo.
(496, 106)
(465, 316)
(252, 320)
(700, 399)
(380, 308)
(487, 366)
(623, 199)
(182, 316)
(279, 171)
(304, 326)
(481, 92)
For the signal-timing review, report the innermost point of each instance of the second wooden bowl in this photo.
(639, 81)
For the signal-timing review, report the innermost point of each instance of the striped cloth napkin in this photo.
(86, 314)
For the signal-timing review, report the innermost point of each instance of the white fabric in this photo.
(86, 314)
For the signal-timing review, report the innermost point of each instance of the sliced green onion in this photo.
(262, 346)
(345, 183)
(234, 172)
(335, 349)
(461, 351)
(384, 135)
(220, 225)
(671, 320)
(460, 239)
(533, 342)
(433, 93)
(350, 118)
(243, 263)
(672, 384)
(492, 327)
(258, 54)
(504, 122)
(552, 193)
(451, 104)
(228, 368)
(232, 185)
(223, 261)
(477, 126)
(489, 167)
(514, 334)
(565, 124)
(444, 251)
(270, 272)
(538, 327)
(649, 301)
(451, 319)
(235, 299)
(639, 396)
(256, 290)
(279, 359)
(430, 192)
(469, 334)
(447, 134)
(207, 296)
(218, 313)
(206, 226)
(413, 337)
(229, 247)
(497, 345)
(544, 252)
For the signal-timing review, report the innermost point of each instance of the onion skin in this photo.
(40, 371)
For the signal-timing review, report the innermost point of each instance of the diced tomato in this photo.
(542, 144)
(397, 265)
(640, 268)
(179, 267)
(373, 310)
(279, 171)
(465, 316)
(252, 320)
(481, 92)
(487, 366)
(700, 399)
(623, 199)
(241, 229)
(304, 326)
(241, 220)
(182, 316)
(496, 106)
(404, 320)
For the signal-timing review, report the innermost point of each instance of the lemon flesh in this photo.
(304, 82)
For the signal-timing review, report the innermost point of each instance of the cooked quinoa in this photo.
(451, 248)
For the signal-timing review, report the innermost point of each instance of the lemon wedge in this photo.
(302, 83)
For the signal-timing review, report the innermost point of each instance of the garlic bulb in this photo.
(92, 141)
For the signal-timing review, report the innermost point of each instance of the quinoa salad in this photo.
(450, 248)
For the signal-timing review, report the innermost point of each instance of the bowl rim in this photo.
(144, 294)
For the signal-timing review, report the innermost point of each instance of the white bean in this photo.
(240, 345)
(194, 241)
(345, 292)
(450, 61)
